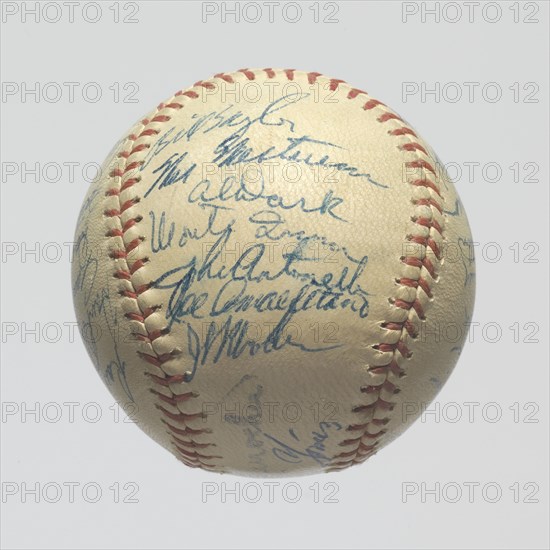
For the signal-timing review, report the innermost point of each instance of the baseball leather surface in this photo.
(272, 269)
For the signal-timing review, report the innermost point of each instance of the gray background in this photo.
(374, 47)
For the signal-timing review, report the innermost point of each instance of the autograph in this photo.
(333, 290)
(239, 147)
(99, 306)
(315, 450)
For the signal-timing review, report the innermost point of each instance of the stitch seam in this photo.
(372, 431)
(187, 450)
(366, 443)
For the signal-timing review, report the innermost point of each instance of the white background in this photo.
(382, 47)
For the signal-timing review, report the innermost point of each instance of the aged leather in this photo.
(281, 325)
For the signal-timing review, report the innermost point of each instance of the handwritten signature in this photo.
(231, 340)
(87, 267)
(239, 147)
(240, 190)
(163, 229)
(334, 290)
(99, 307)
(315, 450)
(238, 294)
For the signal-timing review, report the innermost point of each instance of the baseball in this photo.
(274, 271)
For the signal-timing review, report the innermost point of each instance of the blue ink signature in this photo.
(88, 203)
(102, 306)
(232, 189)
(238, 148)
(268, 223)
(170, 172)
(331, 291)
(98, 305)
(204, 124)
(315, 450)
(231, 340)
(163, 232)
(87, 266)
(337, 290)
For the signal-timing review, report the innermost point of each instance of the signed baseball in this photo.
(273, 274)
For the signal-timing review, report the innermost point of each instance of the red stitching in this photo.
(151, 336)
(194, 455)
(249, 74)
(137, 149)
(415, 304)
(420, 163)
(388, 116)
(155, 360)
(167, 380)
(426, 183)
(149, 132)
(180, 417)
(207, 85)
(175, 399)
(312, 77)
(371, 104)
(289, 73)
(371, 430)
(228, 78)
(416, 262)
(122, 253)
(134, 294)
(429, 202)
(191, 464)
(429, 223)
(189, 93)
(414, 147)
(401, 132)
(161, 118)
(361, 452)
(415, 283)
(193, 444)
(187, 430)
(354, 92)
